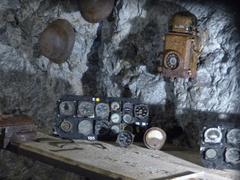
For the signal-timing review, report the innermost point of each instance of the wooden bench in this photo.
(107, 161)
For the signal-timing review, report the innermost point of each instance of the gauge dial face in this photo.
(172, 61)
(141, 111)
(85, 127)
(233, 136)
(115, 106)
(154, 138)
(115, 118)
(232, 155)
(86, 109)
(125, 138)
(102, 127)
(127, 118)
(213, 135)
(127, 108)
(102, 110)
(210, 154)
(67, 108)
(115, 129)
(66, 126)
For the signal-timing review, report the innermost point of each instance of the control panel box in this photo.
(91, 118)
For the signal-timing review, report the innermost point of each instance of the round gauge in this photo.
(232, 155)
(213, 135)
(127, 118)
(102, 127)
(67, 108)
(85, 127)
(115, 118)
(172, 61)
(115, 106)
(154, 138)
(141, 111)
(233, 136)
(128, 108)
(115, 129)
(102, 110)
(125, 138)
(86, 109)
(66, 126)
(210, 154)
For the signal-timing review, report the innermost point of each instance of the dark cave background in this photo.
(116, 57)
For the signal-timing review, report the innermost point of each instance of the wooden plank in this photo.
(109, 160)
(14, 120)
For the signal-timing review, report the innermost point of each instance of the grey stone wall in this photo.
(117, 57)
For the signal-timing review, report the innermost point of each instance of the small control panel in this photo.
(91, 118)
(220, 145)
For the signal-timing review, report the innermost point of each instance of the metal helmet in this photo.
(184, 22)
(95, 10)
(57, 41)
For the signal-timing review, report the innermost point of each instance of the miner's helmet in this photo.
(57, 41)
(183, 22)
(94, 11)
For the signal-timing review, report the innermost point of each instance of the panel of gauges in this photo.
(220, 146)
(91, 118)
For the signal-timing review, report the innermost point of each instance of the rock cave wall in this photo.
(117, 57)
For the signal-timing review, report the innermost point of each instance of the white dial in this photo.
(115, 118)
(115, 106)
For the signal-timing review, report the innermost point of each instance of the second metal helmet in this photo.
(57, 41)
(95, 10)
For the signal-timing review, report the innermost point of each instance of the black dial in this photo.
(141, 111)
(66, 126)
(67, 108)
(125, 138)
(172, 61)
(102, 127)
(86, 109)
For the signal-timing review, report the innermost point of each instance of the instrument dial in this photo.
(85, 127)
(210, 154)
(67, 108)
(141, 111)
(115, 129)
(233, 136)
(154, 138)
(127, 118)
(213, 135)
(115, 106)
(232, 155)
(86, 109)
(127, 108)
(172, 61)
(102, 127)
(115, 118)
(66, 126)
(102, 110)
(125, 138)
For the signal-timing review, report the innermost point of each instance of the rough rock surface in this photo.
(117, 57)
